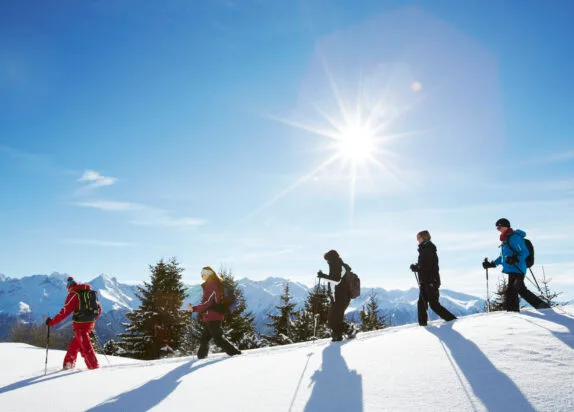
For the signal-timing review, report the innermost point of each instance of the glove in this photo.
(48, 321)
(486, 264)
(320, 274)
(414, 267)
(512, 260)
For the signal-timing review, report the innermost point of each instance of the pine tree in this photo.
(157, 327)
(282, 322)
(371, 319)
(499, 301)
(111, 348)
(313, 318)
(547, 294)
(239, 324)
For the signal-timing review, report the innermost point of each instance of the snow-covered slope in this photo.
(495, 362)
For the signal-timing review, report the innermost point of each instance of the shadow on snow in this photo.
(493, 387)
(151, 393)
(335, 387)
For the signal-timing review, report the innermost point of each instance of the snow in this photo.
(497, 362)
(465, 304)
(24, 308)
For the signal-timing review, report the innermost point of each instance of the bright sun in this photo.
(356, 144)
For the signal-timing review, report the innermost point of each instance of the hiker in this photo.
(342, 298)
(513, 254)
(86, 312)
(429, 280)
(212, 320)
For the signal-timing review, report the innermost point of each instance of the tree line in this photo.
(160, 328)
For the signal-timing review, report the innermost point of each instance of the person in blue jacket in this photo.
(513, 254)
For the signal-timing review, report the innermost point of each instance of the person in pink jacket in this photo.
(86, 309)
(212, 319)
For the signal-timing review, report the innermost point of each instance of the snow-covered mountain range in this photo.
(33, 298)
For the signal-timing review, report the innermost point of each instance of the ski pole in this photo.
(487, 292)
(93, 332)
(47, 345)
(534, 277)
(315, 315)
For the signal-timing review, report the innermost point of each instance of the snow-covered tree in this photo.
(371, 318)
(239, 324)
(282, 322)
(311, 321)
(159, 322)
(111, 347)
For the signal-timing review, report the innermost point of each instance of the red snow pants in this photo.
(81, 343)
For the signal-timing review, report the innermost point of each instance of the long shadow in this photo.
(36, 379)
(493, 387)
(151, 393)
(336, 388)
(551, 316)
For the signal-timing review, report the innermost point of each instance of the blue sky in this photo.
(225, 133)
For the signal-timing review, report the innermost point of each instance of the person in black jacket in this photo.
(429, 280)
(341, 300)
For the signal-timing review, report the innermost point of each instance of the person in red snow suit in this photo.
(212, 319)
(85, 313)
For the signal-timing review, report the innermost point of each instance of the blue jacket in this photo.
(513, 244)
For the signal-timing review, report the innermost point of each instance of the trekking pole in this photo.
(526, 277)
(315, 315)
(47, 345)
(93, 332)
(534, 277)
(487, 292)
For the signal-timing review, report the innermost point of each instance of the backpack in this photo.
(228, 301)
(530, 247)
(88, 306)
(353, 282)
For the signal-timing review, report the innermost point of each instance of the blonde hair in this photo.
(425, 235)
(209, 272)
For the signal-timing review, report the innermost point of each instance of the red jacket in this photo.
(212, 294)
(72, 304)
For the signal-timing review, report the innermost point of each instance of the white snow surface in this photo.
(496, 362)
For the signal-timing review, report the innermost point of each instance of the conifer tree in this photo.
(239, 324)
(157, 327)
(111, 348)
(282, 322)
(499, 301)
(371, 319)
(314, 316)
(546, 294)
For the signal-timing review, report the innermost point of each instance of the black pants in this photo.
(429, 296)
(337, 318)
(517, 287)
(213, 330)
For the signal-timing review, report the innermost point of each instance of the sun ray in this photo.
(297, 183)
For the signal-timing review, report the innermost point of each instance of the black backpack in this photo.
(88, 307)
(228, 300)
(530, 247)
(353, 282)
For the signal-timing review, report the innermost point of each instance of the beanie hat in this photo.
(71, 282)
(503, 222)
(331, 256)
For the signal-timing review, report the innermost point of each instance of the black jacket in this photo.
(427, 265)
(336, 274)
